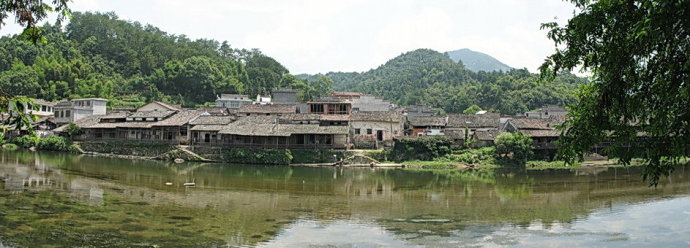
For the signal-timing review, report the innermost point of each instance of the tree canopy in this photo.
(29, 13)
(637, 52)
(100, 55)
(518, 145)
(472, 110)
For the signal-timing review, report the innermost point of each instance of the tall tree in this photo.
(29, 13)
(638, 98)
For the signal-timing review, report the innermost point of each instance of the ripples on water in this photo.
(68, 200)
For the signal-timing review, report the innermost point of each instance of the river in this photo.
(63, 200)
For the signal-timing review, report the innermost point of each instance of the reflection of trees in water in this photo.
(252, 203)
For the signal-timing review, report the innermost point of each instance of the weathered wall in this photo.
(127, 148)
(370, 103)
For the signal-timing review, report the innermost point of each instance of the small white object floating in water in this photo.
(189, 184)
(168, 184)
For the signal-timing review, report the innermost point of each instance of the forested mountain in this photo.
(99, 55)
(477, 61)
(428, 77)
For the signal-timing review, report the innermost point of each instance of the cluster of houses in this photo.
(343, 120)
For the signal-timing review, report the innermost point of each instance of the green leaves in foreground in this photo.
(638, 98)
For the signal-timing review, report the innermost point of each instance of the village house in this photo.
(67, 111)
(484, 138)
(266, 110)
(346, 95)
(330, 106)
(417, 110)
(375, 129)
(153, 122)
(205, 128)
(284, 96)
(427, 125)
(43, 108)
(473, 122)
(363, 102)
(261, 132)
(233, 101)
(542, 131)
(546, 112)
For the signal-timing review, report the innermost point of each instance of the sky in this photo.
(319, 36)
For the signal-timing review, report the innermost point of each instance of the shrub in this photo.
(483, 156)
(53, 143)
(26, 141)
(420, 148)
(380, 155)
(10, 147)
(72, 130)
(262, 156)
(314, 156)
(514, 146)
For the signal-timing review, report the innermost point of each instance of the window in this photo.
(67, 113)
(316, 108)
(369, 131)
(357, 130)
(88, 103)
(234, 104)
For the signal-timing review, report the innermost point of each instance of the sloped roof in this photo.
(487, 120)
(455, 133)
(85, 122)
(486, 135)
(116, 115)
(426, 121)
(208, 127)
(233, 97)
(213, 110)
(43, 102)
(268, 109)
(182, 117)
(381, 116)
(267, 126)
(346, 94)
(541, 133)
(532, 123)
(171, 107)
(151, 114)
(213, 120)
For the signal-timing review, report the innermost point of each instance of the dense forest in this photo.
(99, 55)
(431, 78)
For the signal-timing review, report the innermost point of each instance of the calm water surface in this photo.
(58, 200)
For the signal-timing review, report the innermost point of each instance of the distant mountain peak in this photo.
(477, 61)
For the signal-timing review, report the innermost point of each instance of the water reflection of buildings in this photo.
(38, 175)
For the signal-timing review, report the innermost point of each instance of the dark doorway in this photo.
(207, 138)
(379, 135)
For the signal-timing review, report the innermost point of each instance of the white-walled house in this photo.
(67, 111)
(233, 101)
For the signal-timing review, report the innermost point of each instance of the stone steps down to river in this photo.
(181, 153)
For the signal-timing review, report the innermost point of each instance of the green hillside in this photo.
(99, 55)
(477, 61)
(428, 77)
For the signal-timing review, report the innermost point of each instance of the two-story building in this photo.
(67, 111)
(330, 106)
(376, 129)
(232, 101)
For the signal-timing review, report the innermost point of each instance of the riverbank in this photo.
(482, 158)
